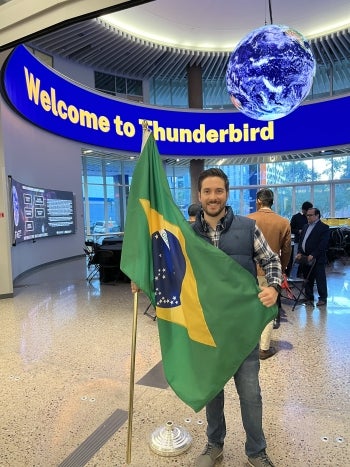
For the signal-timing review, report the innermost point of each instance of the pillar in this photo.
(195, 87)
(195, 101)
(196, 167)
(6, 283)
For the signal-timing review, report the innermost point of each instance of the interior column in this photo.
(195, 101)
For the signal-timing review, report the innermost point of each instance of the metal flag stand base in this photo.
(170, 440)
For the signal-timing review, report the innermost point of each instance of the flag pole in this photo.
(132, 379)
(145, 135)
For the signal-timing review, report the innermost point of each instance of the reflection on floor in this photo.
(65, 369)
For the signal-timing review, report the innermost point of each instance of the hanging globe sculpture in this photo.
(270, 72)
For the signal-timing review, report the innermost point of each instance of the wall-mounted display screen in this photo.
(40, 212)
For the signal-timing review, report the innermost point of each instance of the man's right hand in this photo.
(134, 287)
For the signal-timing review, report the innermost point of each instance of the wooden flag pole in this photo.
(132, 379)
(145, 135)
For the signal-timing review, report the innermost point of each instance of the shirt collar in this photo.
(219, 226)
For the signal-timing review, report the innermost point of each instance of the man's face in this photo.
(310, 214)
(213, 196)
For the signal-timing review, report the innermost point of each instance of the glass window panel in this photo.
(268, 174)
(180, 186)
(253, 174)
(172, 93)
(341, 167)
(96, 204)
(322, 199)
(182, 198)
(303, 171)
(179, 92)
(160, 92)
(104, 82)
(293, 171)
(341, 76)
(215, 95)
(113, 169)
(283, 201)
(171, 180)
(238, 175)
(301, 194)
(321, 84)
(322, 169)
(134, 87)
(120, 85)
(96, 191)
(247, 202)
(93, 170)
(128, 168)
(342, 200)
(234, 200)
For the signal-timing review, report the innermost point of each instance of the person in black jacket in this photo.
(313, 243)
(297, 223)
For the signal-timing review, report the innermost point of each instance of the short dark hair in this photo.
(193, 209)
(306, 205)
(317, 211)
(265, 195)
(213, 172)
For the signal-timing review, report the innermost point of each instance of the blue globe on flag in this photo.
(270, 72)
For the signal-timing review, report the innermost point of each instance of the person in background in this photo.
(276, 230)
(313, 243)
(192, 211)
(297, 223)
(241, 239)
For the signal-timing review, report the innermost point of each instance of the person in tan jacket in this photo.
(277, 232)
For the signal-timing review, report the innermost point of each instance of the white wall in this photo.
(40, 159)
(79, 73)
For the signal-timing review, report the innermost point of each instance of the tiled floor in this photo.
(65, 350)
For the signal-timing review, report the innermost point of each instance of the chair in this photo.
(150, 315)
(294, 288)
(337, 248)
(92, 264)
(107, 265)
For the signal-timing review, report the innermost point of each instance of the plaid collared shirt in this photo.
(263, 255)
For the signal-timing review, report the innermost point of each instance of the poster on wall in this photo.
(40, 212)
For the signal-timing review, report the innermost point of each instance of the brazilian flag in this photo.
(208, 313)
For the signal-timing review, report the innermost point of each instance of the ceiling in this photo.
(20, 20)
(163, 37)
(221, 24)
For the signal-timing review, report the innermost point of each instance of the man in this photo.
(313, 243)
(241, 239)
(276, 230)
(297, 223)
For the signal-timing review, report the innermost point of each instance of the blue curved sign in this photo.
(63, 107)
